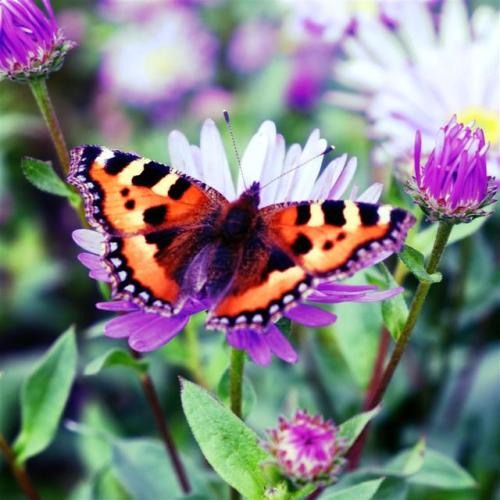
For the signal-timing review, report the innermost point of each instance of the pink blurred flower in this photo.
(251, 46)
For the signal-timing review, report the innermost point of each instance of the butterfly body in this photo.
(170, 239)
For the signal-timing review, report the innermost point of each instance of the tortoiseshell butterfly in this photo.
(169, 237)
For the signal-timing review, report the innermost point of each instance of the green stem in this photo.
(236, 368)
(18, 471)
(41, 94)
(236, 380)
(193, 353)
(443, 233)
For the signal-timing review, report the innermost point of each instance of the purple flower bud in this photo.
(307, 448)
(453, 185)
(32, 45)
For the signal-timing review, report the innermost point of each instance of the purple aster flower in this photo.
(265, 158)
(157, 61)
(31, 43)
(453, 185)
(251, 46)
(307, 449)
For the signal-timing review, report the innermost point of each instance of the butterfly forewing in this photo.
(154, 219)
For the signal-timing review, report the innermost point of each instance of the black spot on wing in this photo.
(130, 204)
(125, 192)
(153, 172)
(278, 261)
(333, 210)
(328, 245)
(178, 188)
(155, 216)
(303, 215)
(397, 216)
(301, 245)
(118, 162)
(162, 239)
(368, 214)
(341, 236)
(89, 154)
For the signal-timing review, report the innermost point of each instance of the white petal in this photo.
(253, 159)
(305, 176)
(454, 27)
(371, 194)
(268, 195)
(345, 178)
(216, 171)
(180, 154)
(283, 184)
(328, 178)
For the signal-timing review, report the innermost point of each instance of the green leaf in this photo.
(393, 488)
(249, 396)
(44, 395)
(408, 462)
(440, 471)
(42, 175)
(141, 465)
(415, 262)
(230, 446)
(352, 428)
(394, 310)
(116, 357)
(362, 491)
(424, 240)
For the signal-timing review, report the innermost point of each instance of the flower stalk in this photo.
(154, 403)
(18, 471)
(40, 92)
(236, 368)
(442, 236)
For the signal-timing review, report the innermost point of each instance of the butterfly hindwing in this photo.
(267, 282)
(306, 243)
(153, 218)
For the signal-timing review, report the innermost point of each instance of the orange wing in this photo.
(155, 220)
(307, 242)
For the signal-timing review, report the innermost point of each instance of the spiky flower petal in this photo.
(453, 185)
(31, 43)
(307, 448)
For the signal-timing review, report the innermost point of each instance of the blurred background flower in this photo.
(418, 70)
(156, 60)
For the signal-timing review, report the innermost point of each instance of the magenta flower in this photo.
(453, 185)
(31, 43)
(307, 449)
(264, 158)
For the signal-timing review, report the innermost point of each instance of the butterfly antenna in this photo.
(235, 146)
(286, 172)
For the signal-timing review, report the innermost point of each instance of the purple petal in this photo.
(125, 325)
(156, 332)
(382, 295)
(310, 316)
(279, 345)
(91, 261)
(117, 305)
(100, 275)
(258, 348)
(344, 288)
(254, 343)
(89, 240)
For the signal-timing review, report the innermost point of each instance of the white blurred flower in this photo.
(159, 59)
(413, 75)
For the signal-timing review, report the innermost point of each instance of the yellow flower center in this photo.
(486, 119)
